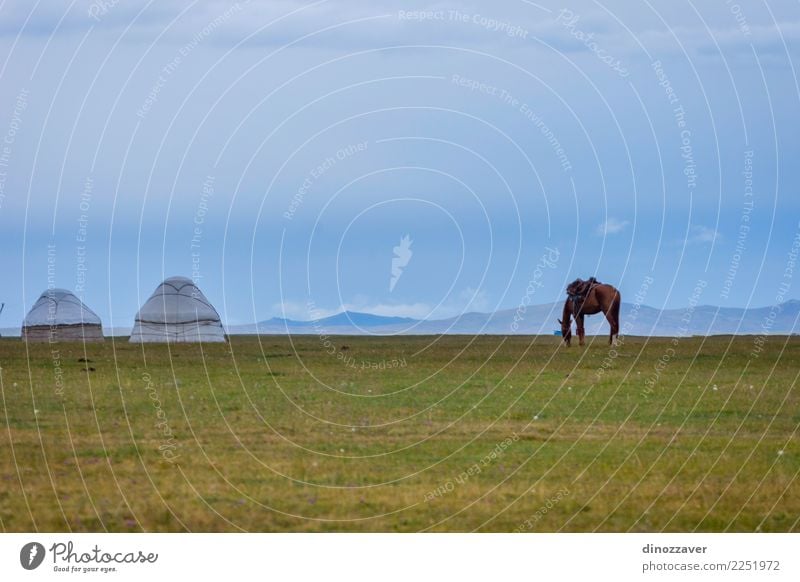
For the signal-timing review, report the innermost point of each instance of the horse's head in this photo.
(566, 331)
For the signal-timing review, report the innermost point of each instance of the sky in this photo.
(419, 159)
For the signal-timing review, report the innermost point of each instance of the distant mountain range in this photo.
(537, 319)
(541, 319)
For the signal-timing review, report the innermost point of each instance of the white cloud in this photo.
(298, 310)
(469, 300)
(700, 234)
(611, 226)
(720, 25)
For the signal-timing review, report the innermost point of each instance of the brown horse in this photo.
(588, 298)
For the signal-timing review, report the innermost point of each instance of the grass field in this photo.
(453, 434)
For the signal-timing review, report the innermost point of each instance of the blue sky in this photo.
(278, 152)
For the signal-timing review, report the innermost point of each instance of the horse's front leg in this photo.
(581, 330)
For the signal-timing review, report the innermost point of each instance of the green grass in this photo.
(279, 435)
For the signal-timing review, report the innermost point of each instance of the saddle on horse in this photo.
(579, 289)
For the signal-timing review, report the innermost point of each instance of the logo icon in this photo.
(31, 555)
(402, 255)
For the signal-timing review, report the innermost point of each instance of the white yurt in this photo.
(177, 312)
(58, 315)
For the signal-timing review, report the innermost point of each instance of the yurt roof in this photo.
(177, 300)
(60, 307)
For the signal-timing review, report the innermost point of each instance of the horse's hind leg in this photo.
(612, 315)
(614, 333)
